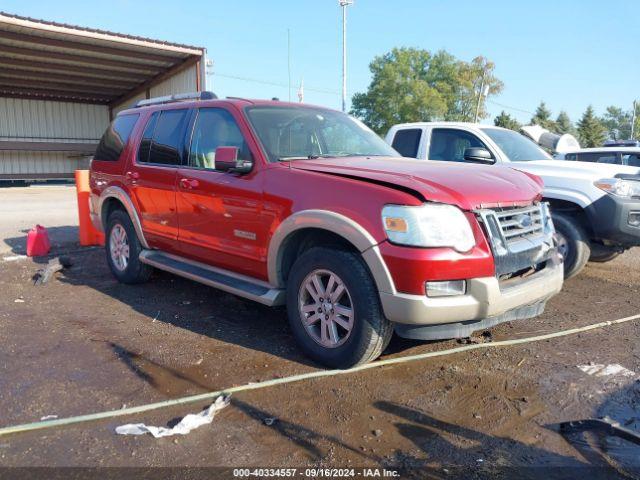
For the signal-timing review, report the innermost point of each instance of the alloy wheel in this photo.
(119, 247)
(326, 309)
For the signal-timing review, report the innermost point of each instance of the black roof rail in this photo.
(240, 98)
(178, 97)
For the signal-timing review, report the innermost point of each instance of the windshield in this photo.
(515, 146)
(298, 132)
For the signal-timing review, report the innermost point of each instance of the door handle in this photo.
(189, 183)
(133, 176)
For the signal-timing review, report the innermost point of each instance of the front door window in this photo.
(449, 144)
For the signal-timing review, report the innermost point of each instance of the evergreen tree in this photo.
(505, 120)
(617, 122)
(564, 124)
(591, 130)
(542, 117)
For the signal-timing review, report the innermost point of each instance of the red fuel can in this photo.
(38, 242)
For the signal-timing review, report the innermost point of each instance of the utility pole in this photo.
(289, 61)
(344, 4)
(480, 95)
(633, 121)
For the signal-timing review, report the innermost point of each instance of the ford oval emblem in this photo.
(523, 220)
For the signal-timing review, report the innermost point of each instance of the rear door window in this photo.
(406, 142)
(162, 140)
(449, 144)
(115, 138)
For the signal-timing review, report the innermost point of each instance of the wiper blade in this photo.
(296, 157)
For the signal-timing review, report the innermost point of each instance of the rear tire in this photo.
(602, 255)
(123, 250)
(573, 244)
(339, 323)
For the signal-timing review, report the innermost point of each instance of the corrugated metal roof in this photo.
(49, 60)
(96, 30)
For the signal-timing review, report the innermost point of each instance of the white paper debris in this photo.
(600, 370)
(48, 417)
(18, 300)
(13, 258)
(188, 423)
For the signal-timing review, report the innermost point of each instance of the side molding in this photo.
(122, 196)
(336, 223)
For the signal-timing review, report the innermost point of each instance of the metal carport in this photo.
(61, 84)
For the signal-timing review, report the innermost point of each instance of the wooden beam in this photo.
(53, 77)
(30, 146)
(36, 176)
(94, 62)
(198, 80)
(75, 69)
(189, 62)
(8, 83)
(86, 47)
(42, 94)
(53, 98)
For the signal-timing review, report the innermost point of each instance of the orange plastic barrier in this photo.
(89, 235)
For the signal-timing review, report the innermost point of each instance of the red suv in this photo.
(290, 204)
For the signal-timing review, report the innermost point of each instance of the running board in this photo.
(241, 285)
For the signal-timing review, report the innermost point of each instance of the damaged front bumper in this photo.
(528, 272)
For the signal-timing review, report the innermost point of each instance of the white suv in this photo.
(595, 206)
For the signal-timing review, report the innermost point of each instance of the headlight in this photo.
(619, 187)
(429, 225)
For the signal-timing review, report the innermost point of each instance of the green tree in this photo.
(477, 83)
(505, 120)
(542, 117)
(412, 85)
(564, 124)
(618, 123)
(591, 130)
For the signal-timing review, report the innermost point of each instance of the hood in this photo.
(573, 169)
(468, 186)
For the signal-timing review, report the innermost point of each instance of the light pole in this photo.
(344, 4)
(633, 121)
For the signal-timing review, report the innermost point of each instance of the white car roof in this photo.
(606, 150)
(446, 124)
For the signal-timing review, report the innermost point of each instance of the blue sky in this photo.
(569, 54)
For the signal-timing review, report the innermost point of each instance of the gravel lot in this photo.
(53, 206)
(84, 343)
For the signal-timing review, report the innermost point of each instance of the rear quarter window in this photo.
(115, 138)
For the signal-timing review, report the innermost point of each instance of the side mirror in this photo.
(227, 161)
(478, 155)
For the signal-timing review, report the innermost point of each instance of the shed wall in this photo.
(36, 120)
(65, 122)
(181, 82)
(47, 121)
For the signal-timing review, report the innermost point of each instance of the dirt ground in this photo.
(84, 343)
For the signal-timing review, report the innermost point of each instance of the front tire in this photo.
(573, 244)
(123, 250)
(334, 308)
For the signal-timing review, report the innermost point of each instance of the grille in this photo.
(519, 223)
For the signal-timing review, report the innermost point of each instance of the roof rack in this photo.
(240, 98)
(179, 97)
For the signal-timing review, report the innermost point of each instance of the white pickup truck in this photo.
(595, 206)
